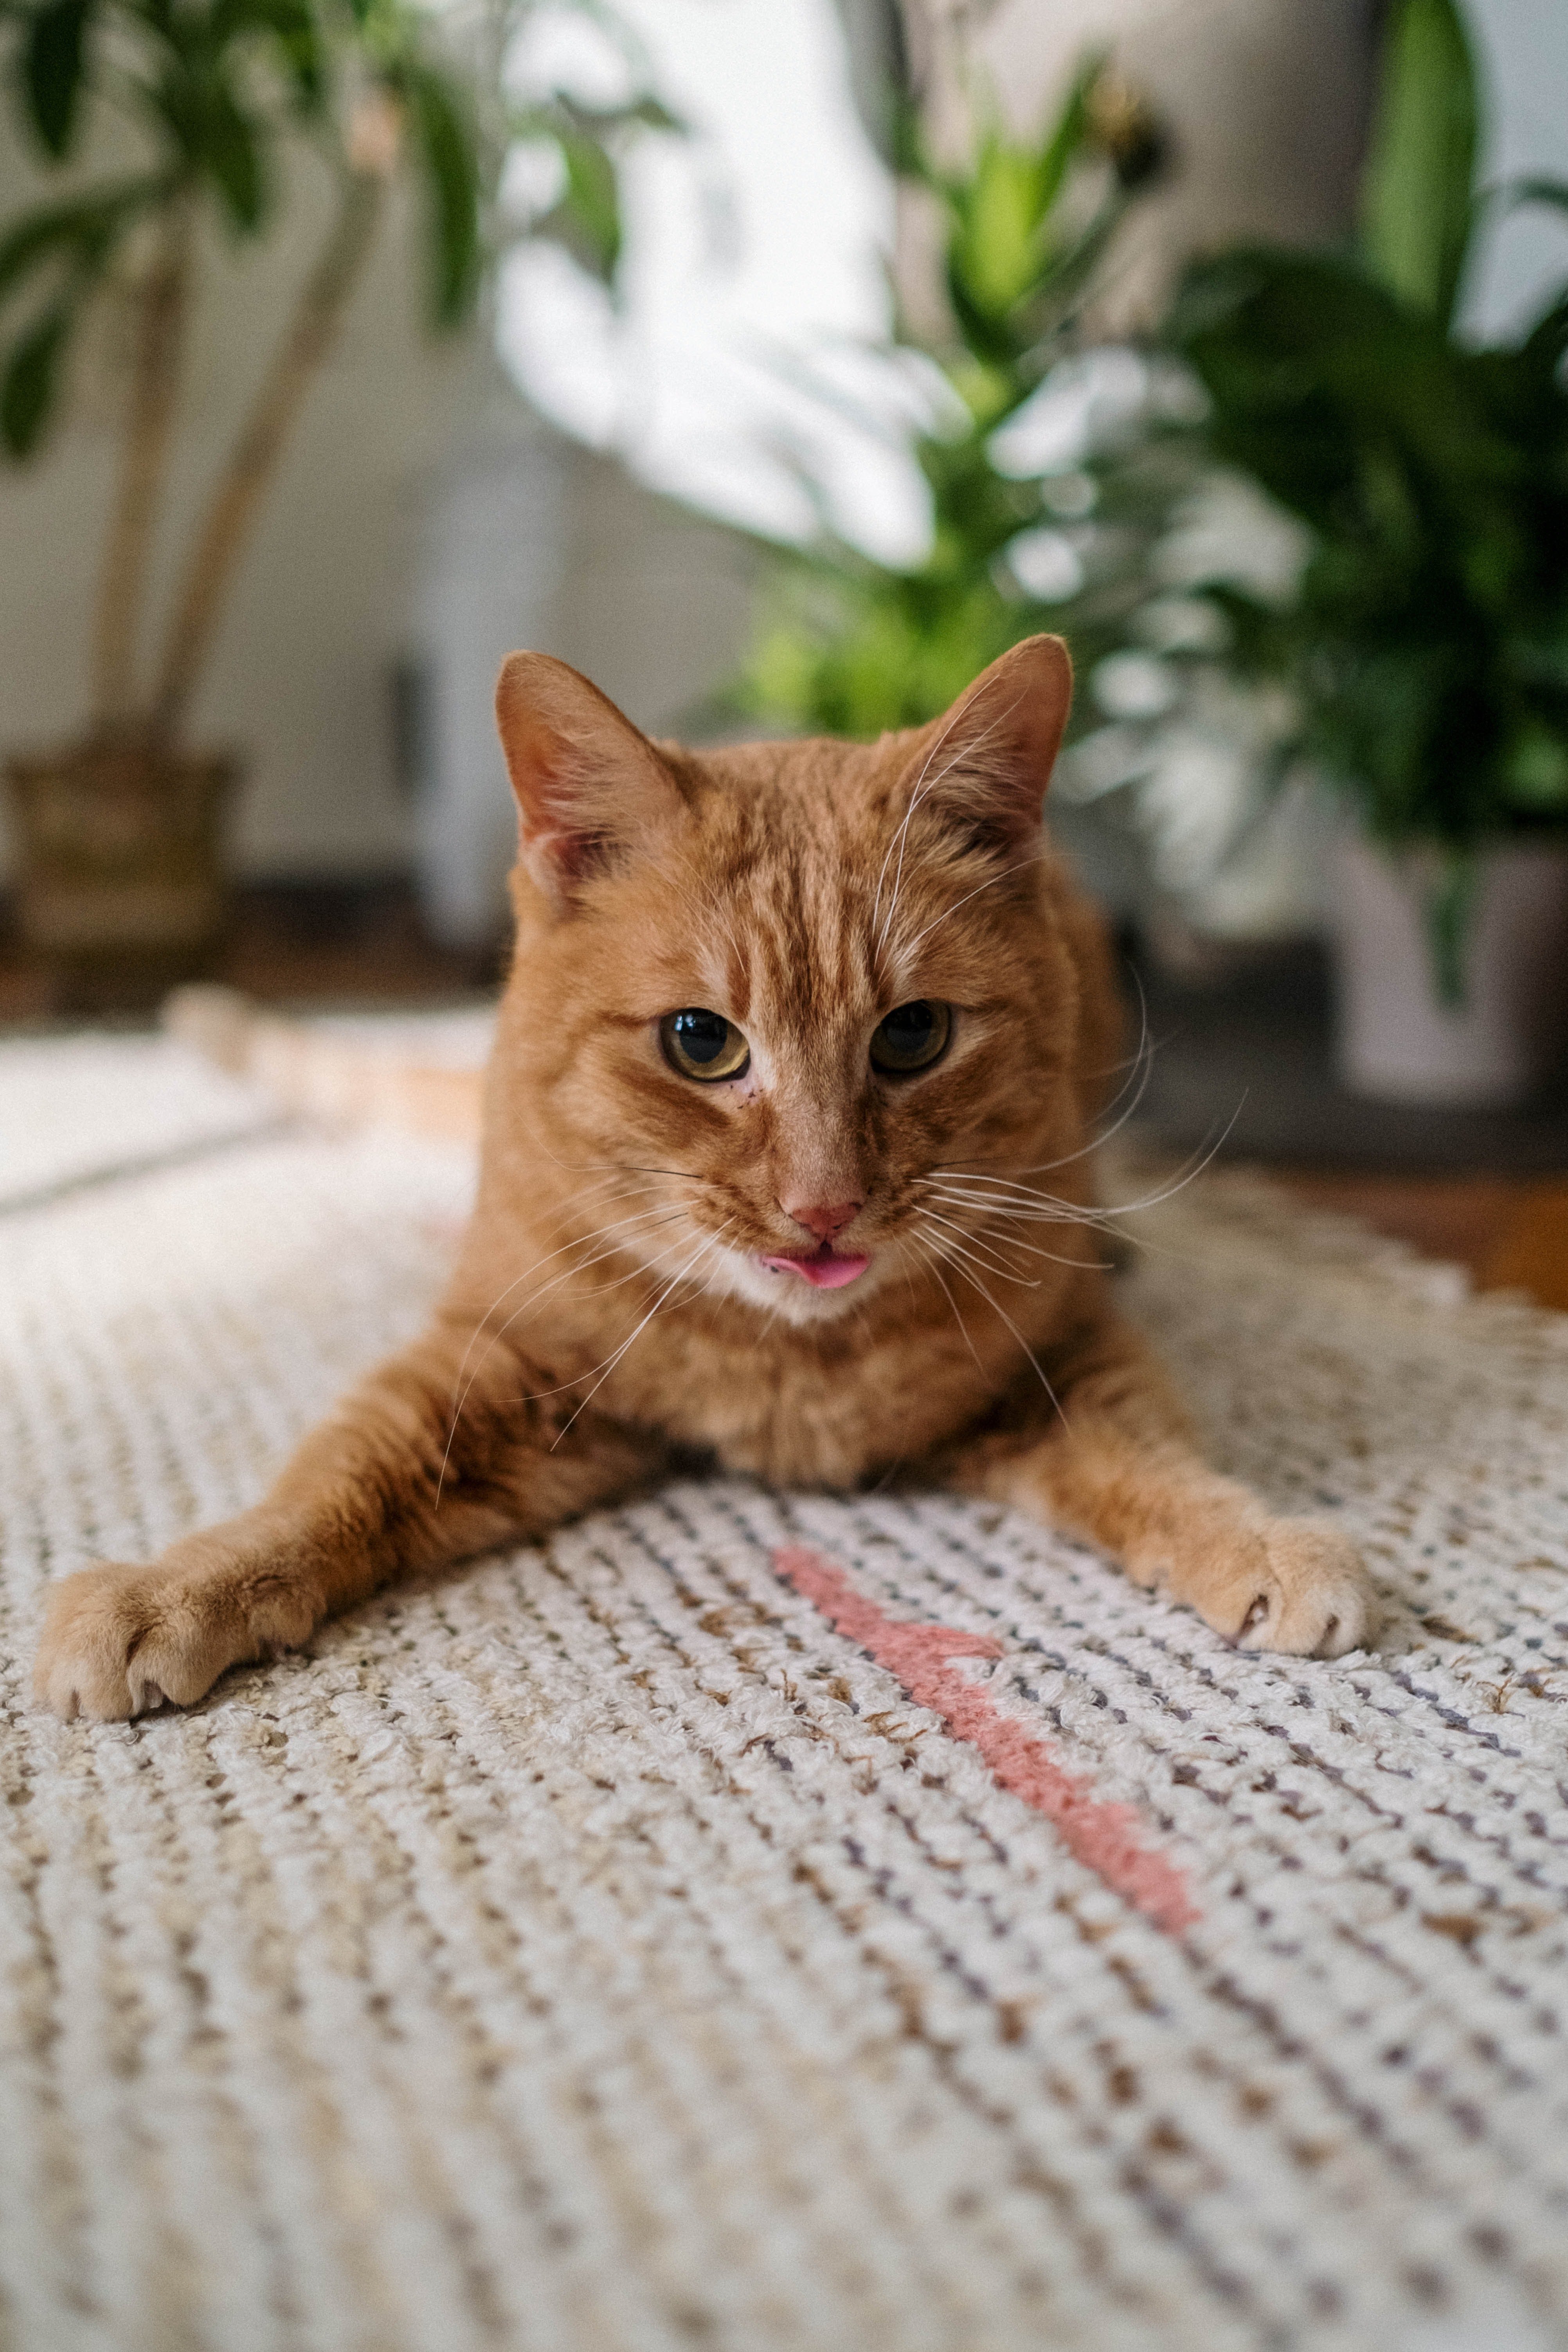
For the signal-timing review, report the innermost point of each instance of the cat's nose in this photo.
(823, 1221)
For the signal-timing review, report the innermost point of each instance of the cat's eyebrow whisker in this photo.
(1142, 1072)
(989, 883)
(922, 791)
(1204, 1157)
(1139, 1069)
(709, 900)
(914, 800)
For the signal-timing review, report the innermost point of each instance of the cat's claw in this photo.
(119, 1642)
(1313, 1598)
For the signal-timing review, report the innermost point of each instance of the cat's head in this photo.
(787, 1007)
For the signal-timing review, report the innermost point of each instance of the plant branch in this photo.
(162, 303)
(253, 461)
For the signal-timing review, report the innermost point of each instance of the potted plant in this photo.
(851, 644)
(1424, 649)
(199, 114)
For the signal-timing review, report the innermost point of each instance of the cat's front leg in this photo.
(390, 1483)
(1117, 1464)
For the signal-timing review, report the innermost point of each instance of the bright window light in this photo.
(756, 258)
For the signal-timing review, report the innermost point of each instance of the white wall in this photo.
(1523, 46)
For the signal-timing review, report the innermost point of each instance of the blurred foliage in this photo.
(1426, 646)
(213, 94)
(587, 215)
(1348, 557)
(210, 109)
(850, 645)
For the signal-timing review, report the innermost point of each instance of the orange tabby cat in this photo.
(786, 1160)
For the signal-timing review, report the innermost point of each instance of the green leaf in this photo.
(994, 257)
(603, 121)
(31, 379)
(1449, 907)
(232, 157)
(51, 70)
(1517, 192)
(1065, 141)
(294, 32)
(1353, 410)
(81, 232)
(446, 149)
(34, 240)
(1417, 191)
(1536, 768)
(588, 219)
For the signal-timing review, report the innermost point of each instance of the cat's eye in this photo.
(911, 1038)
(704, 1044)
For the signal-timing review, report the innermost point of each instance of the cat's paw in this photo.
(119, 1641)
(1308, 1595)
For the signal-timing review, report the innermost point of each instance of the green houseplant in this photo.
(851, 644)
(1425, 650)
(177, 131)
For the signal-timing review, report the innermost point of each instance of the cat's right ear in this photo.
(591, 790)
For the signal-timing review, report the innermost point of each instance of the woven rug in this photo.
(754, 1922)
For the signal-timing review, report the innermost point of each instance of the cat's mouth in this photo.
(823, 1268)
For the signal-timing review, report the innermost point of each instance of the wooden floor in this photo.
(1510, 1232)
(365, 946)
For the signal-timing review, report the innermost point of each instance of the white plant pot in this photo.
(1395, 1039)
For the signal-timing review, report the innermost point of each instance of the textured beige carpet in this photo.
(650, 1941)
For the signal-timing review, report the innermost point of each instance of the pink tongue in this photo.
(824, 1272)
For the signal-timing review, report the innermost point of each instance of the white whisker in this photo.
(709, 1241)
(1015, 1242)
(928, 1253)
(462, 1391)
(922, 791)
(989, 883)
(968, 1242)
(976, 1284)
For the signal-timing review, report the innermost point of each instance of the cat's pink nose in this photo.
(823, 1221)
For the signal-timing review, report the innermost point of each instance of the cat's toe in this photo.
(117, 1642)
(1315, 1599)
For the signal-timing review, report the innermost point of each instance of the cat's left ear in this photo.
(989, 760)
(591, 789)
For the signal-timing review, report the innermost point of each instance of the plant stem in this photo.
(161, 303)
(254, 458)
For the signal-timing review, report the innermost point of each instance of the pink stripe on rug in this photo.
(1104, 1836)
